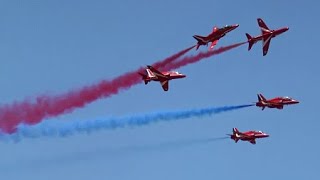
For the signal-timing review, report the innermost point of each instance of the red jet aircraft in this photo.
(214, 36)
(266, 36)
(277, 102)
(250, 136)
(153, 74)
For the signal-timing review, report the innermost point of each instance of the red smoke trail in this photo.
(33, 112)
(159, 65)
(202, 55)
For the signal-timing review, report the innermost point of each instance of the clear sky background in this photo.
(51, 47)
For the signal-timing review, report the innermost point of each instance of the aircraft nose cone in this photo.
(235, 26)
(295, 102)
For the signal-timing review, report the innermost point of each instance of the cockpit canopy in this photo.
(225, 27)
(287, 98)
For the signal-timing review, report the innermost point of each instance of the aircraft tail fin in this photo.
(199, 38)
(261, 98)
(201, 41)
(235, 131)
(250, 41)
(150, 72)
(234, 135)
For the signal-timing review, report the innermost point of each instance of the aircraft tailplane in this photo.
(144, 77)
(197, 47)
(250, 41)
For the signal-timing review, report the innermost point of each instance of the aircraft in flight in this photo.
(214, 36)
(265, 37)
(277, 102)
(153, 74)
(250, 136)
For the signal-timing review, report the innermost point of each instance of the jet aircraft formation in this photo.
(153, 74)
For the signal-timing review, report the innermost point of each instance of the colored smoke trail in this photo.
(159, 65)
(202, 55)
(63, 129)
(32, 112)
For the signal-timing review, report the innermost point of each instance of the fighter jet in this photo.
(214, 36)
(277, 102)
(250, 136)
(152, 74)
(265, 37)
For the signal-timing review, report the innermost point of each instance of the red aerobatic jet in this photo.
(265, 37)
(214, 36)
(277, 102)
(250, 136)
(153, 74)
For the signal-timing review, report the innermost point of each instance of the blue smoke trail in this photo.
(64, 129)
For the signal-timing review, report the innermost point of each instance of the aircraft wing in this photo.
(266, 43)
(264, 28)
(278, 105)
(156, 72)
(165, 85)
(253, 141)
(213, 44)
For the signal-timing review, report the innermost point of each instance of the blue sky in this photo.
(50, 47)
